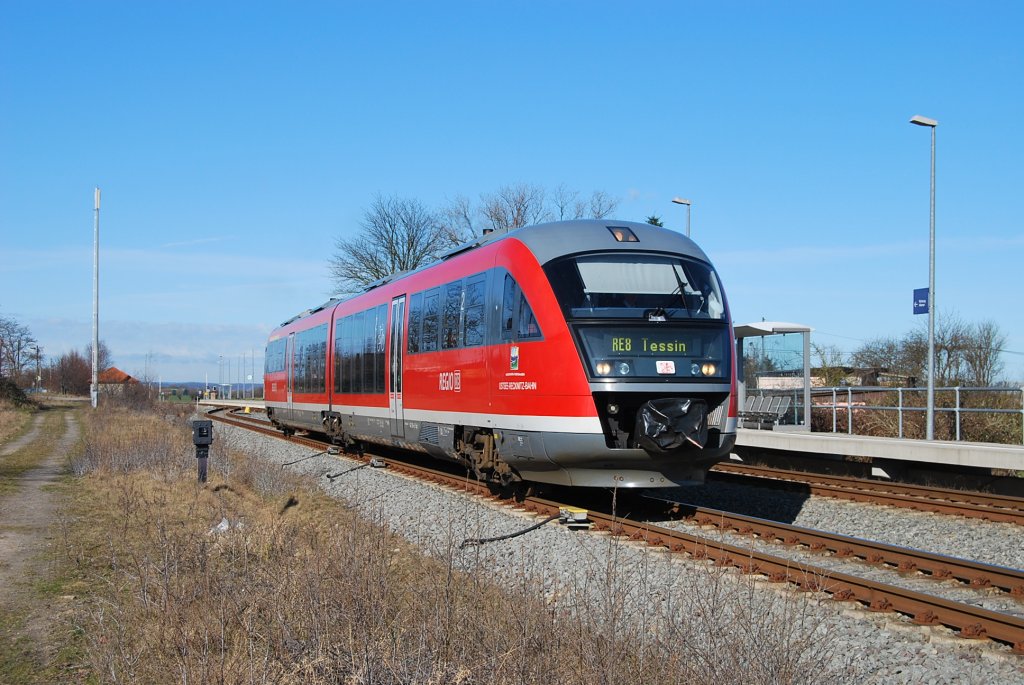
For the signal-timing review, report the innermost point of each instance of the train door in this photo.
(395, 365)
(289, 361)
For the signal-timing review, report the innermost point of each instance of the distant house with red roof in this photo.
(114, 380)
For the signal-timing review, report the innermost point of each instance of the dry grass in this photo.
(299, 589)
(31, 455)
(13, 420)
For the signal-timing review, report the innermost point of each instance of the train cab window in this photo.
(473, 311)
(517, 319)
(528, 327)
(508, 307)
(451, 318)
(431, 313)
(636, 286)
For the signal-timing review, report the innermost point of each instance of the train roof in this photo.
(559, 238)
(555, 239)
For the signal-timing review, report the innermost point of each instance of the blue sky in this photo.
(234, 142)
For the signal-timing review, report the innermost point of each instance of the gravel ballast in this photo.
(642, 588)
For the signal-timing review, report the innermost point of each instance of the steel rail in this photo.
(969, 620)
(976, 574)
(919, 498)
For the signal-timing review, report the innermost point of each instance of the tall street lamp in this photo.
(681, 201)
(919, 120)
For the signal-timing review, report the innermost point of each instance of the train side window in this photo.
(415, 316)
(299, 373)
(356, 350)
(346, 354)
(452, 314)
(274, 357)
(298, 363)
(338, 354)
(508, 307)
(382, 318)
(473, 311)
(528, 327)
(319, 361)
(428, 339)
(369, 341)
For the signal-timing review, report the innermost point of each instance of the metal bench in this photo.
(764, 411)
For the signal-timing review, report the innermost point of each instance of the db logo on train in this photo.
(450, 380)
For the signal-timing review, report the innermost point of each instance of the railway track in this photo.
(966, 618)
(916, 497)
(906, 560)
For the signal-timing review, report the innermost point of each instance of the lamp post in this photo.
(682, 201)
(919, 120)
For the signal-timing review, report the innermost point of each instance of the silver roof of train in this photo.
(556, 239)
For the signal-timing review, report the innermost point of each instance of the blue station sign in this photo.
(921, 300)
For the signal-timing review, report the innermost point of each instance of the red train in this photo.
(584, 353)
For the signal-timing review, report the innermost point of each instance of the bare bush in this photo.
(121, 440)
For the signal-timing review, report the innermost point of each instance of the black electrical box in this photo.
(202, 432)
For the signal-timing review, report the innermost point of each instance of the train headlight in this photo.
(603, 368)
(623, 368)
(695, 369)
(708, 369)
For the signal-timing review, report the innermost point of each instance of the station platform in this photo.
(932, 453)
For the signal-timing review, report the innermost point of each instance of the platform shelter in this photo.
(774, 358)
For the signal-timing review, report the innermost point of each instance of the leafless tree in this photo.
(401, 234)
(104, 360)
(965, 354)
(398, 235)
(830, 364)
(602, 205)
(982, 359)
(524, 204)
(457, 220)
(69, 374)
(18, 348)
(515, 206)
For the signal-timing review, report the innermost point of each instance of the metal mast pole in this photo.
(929, 430)
(930, 434)
(94, 387)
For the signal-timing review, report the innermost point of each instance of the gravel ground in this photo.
(1001, 544)
(643, 591)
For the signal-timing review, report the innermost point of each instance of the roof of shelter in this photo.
(115, 375)
(758, 328)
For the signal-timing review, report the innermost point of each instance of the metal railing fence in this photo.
(953, 402)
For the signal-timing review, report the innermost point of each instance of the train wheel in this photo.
(516, 490)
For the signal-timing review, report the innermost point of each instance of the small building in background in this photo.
(113, 381)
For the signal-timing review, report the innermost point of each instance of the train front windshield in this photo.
(636, 286)
(638, 316)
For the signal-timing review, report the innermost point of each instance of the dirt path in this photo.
(26, 516)
(26, 439)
